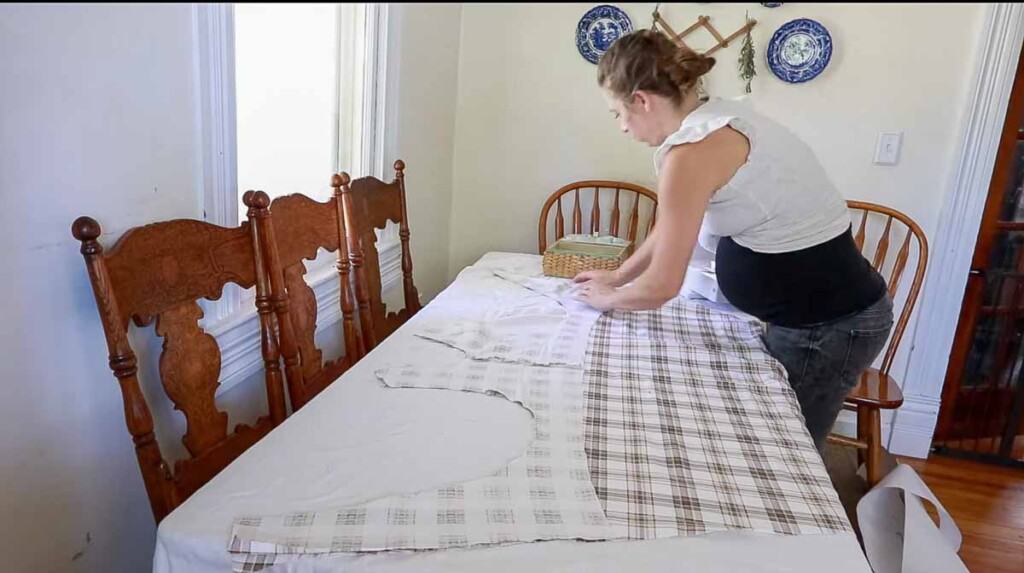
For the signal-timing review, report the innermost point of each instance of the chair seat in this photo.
(877, 390)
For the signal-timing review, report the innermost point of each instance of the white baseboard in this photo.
(914, 425)
(912, 433)
(846, 424)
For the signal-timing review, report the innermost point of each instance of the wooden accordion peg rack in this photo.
(702, 22)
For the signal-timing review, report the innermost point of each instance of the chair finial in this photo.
(340, 179)
(256, 199)
(86, 229)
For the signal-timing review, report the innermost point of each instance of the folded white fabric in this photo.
(551, 287)
(539, 340)
(561, 291)
(899, 536)
(547, 328)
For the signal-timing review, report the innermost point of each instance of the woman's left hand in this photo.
(597, 295)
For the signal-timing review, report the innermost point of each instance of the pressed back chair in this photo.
(368, 204)
(639, 205)
(877, 390)
(292, 229)
(157, 273)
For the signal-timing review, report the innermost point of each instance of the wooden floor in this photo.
(987, 504)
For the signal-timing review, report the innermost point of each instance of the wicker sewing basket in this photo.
(568, 257)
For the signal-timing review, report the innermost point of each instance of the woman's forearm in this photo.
(641, 295)
(654, 285)
(636, 264)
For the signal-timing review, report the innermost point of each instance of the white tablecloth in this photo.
(359, 440)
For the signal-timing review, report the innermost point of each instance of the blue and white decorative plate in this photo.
(599, 28)
(799, 50)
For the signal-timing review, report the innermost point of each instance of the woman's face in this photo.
(634, 116)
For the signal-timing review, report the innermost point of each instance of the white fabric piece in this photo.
(529, 339)
(551, 287)
(358, 441)
(780, 200)
(899, 535)
(549, 327)
(560, 290)
(543, 298)
(545, 494)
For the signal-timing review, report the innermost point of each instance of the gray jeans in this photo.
(824, 362)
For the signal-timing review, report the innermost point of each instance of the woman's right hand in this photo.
(610, 278)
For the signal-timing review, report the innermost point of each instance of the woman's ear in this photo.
(642, 99)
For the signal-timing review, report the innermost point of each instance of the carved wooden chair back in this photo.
(368, 204)
(157, 273)
(636, 204)
(292, 229)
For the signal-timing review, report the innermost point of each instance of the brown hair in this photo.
(648, 60)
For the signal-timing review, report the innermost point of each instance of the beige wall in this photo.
(427, 82)
(97, 117)
(530, 117)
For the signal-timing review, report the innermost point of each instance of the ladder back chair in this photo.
(156, 274)
(639, 205)
(292, 229)
(369, 203)
(877, 390)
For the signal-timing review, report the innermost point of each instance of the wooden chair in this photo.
(292, 228)
(643, 209)
(157, 273)
(877, 390)
(369, 203)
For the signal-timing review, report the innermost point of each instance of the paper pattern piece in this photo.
(899, 535)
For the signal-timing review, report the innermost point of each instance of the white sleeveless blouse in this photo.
(780, 200)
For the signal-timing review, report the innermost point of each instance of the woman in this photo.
(755, 195)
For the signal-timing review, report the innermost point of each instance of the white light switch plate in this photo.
(887, 150)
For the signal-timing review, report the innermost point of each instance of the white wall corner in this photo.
(239, 337)
(960, 218)
(453, 229)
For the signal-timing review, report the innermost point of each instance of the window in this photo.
(286, 98)
(289, 94)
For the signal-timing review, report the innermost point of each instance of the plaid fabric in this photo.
(680, 424)
(691, 427)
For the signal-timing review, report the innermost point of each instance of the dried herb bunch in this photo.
(746, 61)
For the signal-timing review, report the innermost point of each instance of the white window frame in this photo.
(232, 319)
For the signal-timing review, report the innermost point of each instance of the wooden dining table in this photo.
(361, 440)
